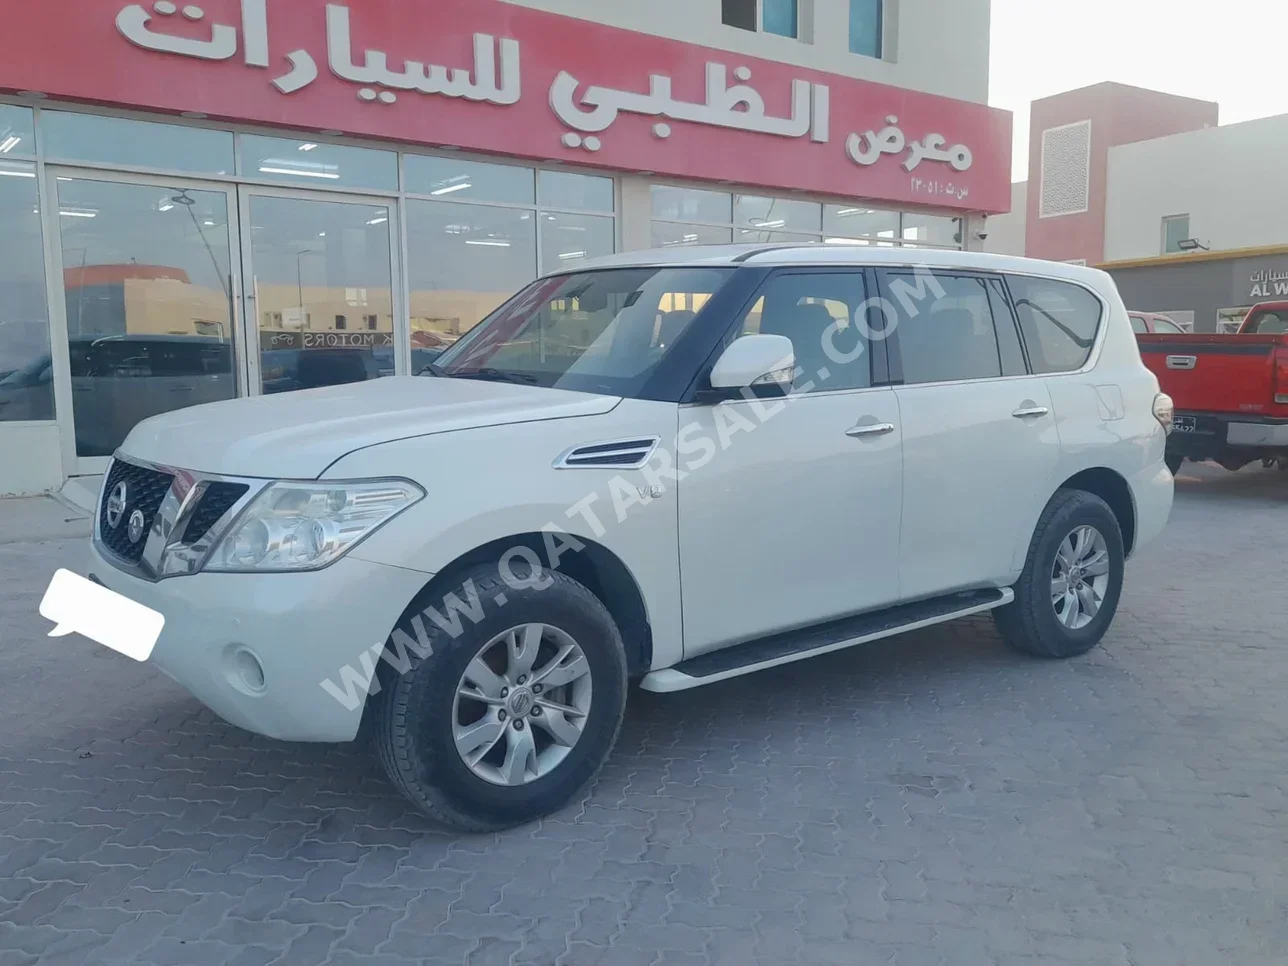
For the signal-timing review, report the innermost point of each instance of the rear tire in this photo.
(1068, 593)
(476, 759)
(1174, 463)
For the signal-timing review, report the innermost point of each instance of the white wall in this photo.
(937, 46)
(1230, 180)
(1006, 232)
(31, 459)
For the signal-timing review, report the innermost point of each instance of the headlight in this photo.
(306, 526)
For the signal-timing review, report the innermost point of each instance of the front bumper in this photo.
(297, 630)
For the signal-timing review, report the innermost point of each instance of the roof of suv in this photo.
(828, 254)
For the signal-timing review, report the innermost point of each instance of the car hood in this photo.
(299, 434)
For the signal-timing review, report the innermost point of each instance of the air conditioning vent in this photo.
(620, 454)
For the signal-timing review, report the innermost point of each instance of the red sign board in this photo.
(488, 76)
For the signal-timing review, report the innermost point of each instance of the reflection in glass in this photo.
(747, 235)
(771, 213)
(465, 260)
(568, 240)
(667, 235)
(141, 144)
(852, 220)
(323, 284)
(931, 230)
(26, 373)
(455, 179)
(583, 192)
(17, 134)
(691, 204)
(146, 272)
(321, 165)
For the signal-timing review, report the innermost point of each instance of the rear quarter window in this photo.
(1059, 320)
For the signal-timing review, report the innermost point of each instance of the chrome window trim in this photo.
(165, 555)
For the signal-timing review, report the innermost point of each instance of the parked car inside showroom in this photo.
(472, 567)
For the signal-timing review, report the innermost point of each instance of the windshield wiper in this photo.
(496, 375)
(432, 369)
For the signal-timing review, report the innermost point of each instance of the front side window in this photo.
(1059, 320)
(817, 312)
(945, 327)
(604, 331)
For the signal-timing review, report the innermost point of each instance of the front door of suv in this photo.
(979, 434)
(790, 507)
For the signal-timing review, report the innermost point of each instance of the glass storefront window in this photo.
(465, 261)
(322, 273)
(851, 221)
(748, 235)
(455, 179)
(319, 165)
(17, 131)
(581, 192)
(667, 235)
(755, 211)
(691, 204)
(26, 369)
(568, 240)
(139, 144)
(147, 279)
(931, 230)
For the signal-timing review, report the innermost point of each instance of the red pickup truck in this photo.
(1230, 390)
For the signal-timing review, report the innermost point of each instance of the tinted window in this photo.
(944, 328)
(816, 311)
(1059, 321)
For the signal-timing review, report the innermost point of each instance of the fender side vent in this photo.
(623, 454)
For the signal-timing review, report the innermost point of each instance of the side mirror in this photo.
(754, 361)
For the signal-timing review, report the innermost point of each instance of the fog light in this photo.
(246, 671)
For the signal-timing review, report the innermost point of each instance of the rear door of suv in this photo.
(979, 435)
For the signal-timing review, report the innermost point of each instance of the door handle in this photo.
(1031, 411)
(871, 429)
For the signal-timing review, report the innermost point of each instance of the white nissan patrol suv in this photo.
(662, 468)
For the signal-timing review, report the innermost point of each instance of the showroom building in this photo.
(255, 196)
(1185, 213)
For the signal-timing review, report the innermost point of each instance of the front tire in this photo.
(512, 718)
(1068, 593)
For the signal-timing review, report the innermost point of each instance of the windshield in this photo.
(603, 331)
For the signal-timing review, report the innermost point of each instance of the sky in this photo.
(1234, 52)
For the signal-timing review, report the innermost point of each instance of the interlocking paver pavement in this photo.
(930, 799)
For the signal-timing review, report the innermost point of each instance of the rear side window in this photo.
(1267, 323)
(948, 335)
(1059, 320)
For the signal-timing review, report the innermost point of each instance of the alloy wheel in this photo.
(1080, 577)
(522, 704)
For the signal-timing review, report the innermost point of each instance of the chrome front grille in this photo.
(132, 496)
(158, 521)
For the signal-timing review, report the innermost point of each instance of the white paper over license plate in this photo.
(1185, 424)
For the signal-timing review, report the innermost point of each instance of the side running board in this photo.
(732, 662)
